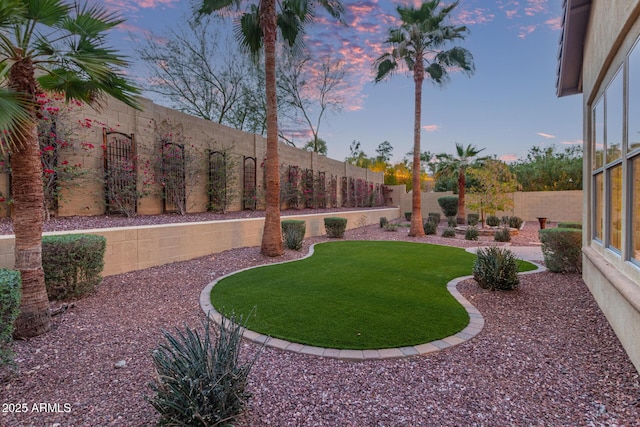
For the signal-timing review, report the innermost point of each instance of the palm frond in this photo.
(385, 66)
(248, 32)
(90, 21)
(14, 119)
(46, 12)
(207, 7)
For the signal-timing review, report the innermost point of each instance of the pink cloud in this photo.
(431, 128)
(535, 7)
(473, 17)
(525, 30)
(546, 135)
(509, 157)
(574, 142)
(554, 23)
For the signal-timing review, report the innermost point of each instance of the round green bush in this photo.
(449, 205)
(473, 219)
(383, 221)
(502, 235)
(430, 227)
(472, 233)
(449, 232)
(335, 226)
(493, 221)
(515, 222)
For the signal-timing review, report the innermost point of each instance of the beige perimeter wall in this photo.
(135, 248)
(553, 205)
(85, 194)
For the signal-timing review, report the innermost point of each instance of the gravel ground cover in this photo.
(546, 357)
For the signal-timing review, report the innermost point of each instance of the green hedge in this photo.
(9, 310)
(335, 226)
(577, 225)
(449, 205)
(72, 264)
(293, 231)
(562, 249)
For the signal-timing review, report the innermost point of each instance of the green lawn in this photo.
(353, 294)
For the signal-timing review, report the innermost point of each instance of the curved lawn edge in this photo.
(476, 323)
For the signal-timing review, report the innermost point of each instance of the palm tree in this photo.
(419, 43)
(450, 165)
(257, 29)
(63, 45)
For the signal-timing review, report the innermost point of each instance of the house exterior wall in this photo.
(612, 274)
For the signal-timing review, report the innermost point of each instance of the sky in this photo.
(506, 107)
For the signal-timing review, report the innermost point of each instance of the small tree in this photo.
(491, 192)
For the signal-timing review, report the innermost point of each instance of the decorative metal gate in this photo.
(344, 192)
(173, 178)
(120, 174)
(249, 183)
(321, 195)
(217, 181)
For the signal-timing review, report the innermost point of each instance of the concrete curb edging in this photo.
(476, 323)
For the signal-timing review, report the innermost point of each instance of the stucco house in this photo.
(599, 57)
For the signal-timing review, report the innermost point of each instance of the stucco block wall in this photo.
(135, 248)
(553, 205)
(85, 195)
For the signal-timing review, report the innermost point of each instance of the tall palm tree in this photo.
(55, 46)
(451, 165)
(257, 29)
(419, 42)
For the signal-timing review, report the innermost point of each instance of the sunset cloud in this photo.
(508, 158)
(431, 128)
(573, 142)
(554, 23)
(546, 135)
(473, 16)
(525, 30)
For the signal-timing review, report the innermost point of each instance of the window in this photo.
(598, 206)
(634, 99)
(615, 207)
(598, 135)
(635, 209)
(614, 103)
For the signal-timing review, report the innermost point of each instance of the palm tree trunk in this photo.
(462, 182)
(417, 228)
(272, 235)
(28, 202)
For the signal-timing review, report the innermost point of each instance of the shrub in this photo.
(562, 249)
(449, 205)
(383, 221)
(496, 269)
(493, 221)
(502, 235)
(577, 225)
(515, 222)
(452, 221)
(435, 217)
(505, 220)
(391, 227)
(199, 380)
(407, 216)
(72, 264)
(293, 233)
(471, 233)
(473, 219)
(335, 226)
(430, 227)
(449, 232)
(9, 310)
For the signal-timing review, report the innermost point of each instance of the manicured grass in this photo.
(353, 294)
